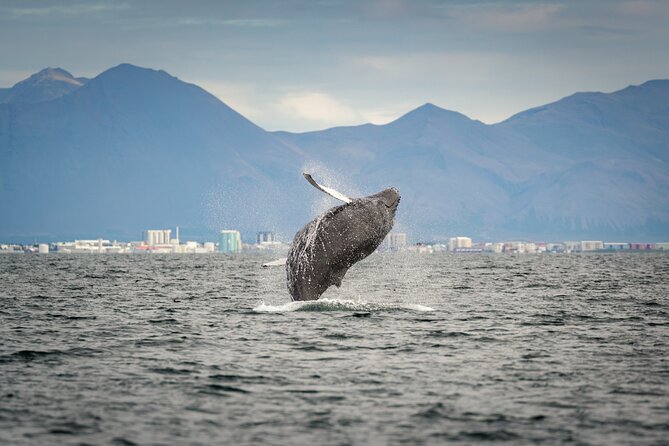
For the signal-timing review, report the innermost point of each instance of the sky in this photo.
(309, 65)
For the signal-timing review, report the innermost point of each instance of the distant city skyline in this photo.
(302, 66)
(230, 242)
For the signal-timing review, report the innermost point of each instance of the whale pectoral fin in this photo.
(331, 192)
(337, 277)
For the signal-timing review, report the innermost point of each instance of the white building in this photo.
(497, 247)
(11, 249)
(394, 241)
(514, 247)
(91, 246)
(554, 247)
(455, 243)
(571, 246)
(591, 245)
(421, 249)
(159, 237)
(265, 237)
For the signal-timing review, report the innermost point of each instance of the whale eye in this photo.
(389, 199)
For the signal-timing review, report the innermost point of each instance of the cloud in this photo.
(380, 117)
(445, 66)
(508, 17)
(297, 111)
(251, 23)
(317, 107)
(239, 96)
(65, 10)
(642, 8)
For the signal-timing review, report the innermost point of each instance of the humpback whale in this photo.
(326, 247)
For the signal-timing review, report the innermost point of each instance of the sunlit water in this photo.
(411, 350)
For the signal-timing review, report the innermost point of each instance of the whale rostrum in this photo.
(326, 247)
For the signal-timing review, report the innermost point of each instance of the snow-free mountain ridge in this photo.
(49, 83)
(135, 149)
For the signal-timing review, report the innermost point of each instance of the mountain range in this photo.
(135, 149)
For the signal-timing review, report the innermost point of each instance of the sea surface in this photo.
(412, 349)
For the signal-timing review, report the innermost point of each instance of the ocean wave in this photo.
(326, 304)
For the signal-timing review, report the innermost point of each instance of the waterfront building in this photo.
(265, 237)
(190, 246)
(455, 243)
(616, 246)
(85, 246)
(11, 249)
(274, 247)
(555, 247)
(230, 241)
(439, 247)
(513, 247)
(497, 247)
(591, 245)
(642, 246)
(572, 246)
(421, 248)
(158, 237)
(394, 241)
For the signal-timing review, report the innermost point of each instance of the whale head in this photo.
(387, 200)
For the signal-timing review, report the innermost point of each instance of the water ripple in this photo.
(411, 349)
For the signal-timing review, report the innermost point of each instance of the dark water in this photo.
(204, 349)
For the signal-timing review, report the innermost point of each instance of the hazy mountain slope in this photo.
(615, 168)
(134, 149)
(48, 84)
(591, 164)
(628, 123)
(453, 172)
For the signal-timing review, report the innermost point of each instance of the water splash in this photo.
(325, 304)
(330, 178)
(305, 255)
(250, 207)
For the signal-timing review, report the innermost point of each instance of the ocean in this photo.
(412, 349)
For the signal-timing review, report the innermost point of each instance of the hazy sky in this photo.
(307, 65)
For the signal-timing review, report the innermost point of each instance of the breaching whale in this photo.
(326, 247)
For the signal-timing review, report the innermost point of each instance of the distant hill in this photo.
(48, 84)
(589, 165)
(135, 149)
(613, 174)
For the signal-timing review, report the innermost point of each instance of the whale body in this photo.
(326, 247)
